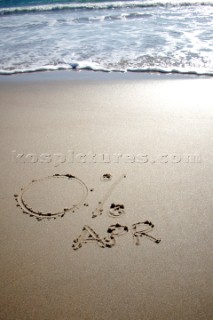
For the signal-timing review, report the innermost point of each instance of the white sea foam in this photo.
(103, 5)
(150, 38)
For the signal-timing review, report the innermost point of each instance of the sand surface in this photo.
(155, 130)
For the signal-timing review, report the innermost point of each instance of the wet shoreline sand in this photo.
(154, 129)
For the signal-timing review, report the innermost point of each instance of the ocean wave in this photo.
(127, 16)
(94, 67)
(25, 24)
(101, 5)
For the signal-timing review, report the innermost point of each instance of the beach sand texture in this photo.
(155, 124)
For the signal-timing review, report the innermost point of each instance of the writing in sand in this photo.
(88, 235)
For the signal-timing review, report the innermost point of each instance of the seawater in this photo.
(142, 36)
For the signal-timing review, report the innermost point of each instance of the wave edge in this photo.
(77, 67)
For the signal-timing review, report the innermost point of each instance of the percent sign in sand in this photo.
(99, 210)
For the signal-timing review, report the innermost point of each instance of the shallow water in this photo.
(164, 36)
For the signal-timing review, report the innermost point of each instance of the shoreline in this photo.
(96, 75)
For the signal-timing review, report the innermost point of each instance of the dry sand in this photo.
(160, 117)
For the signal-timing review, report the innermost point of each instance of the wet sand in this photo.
(132, 148)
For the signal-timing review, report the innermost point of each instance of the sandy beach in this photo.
(140, 141)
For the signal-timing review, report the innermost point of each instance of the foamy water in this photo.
(141, 36)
